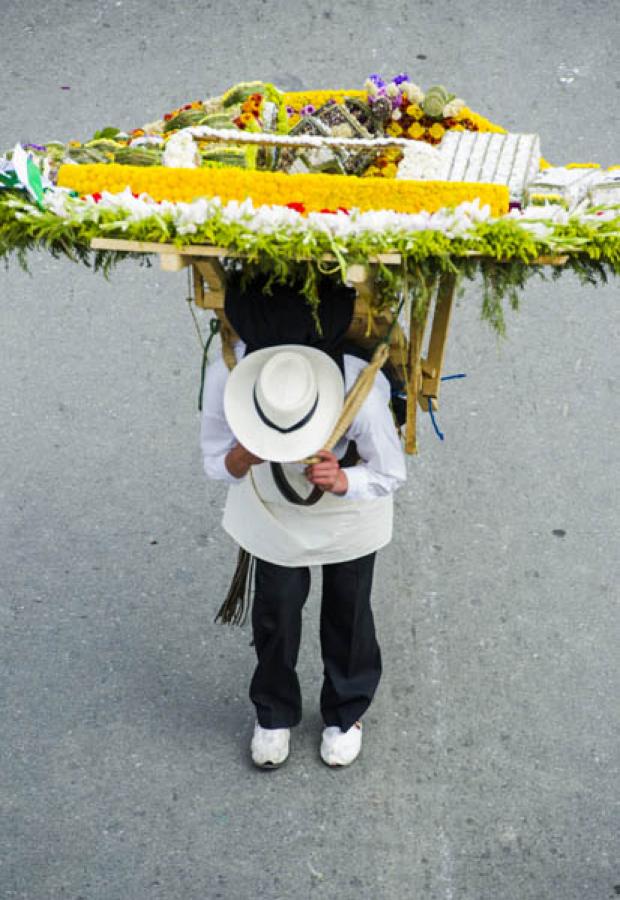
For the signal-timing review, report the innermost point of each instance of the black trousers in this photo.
(351, 655)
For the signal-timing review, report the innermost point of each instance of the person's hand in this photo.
(239, 460)
(327, 473)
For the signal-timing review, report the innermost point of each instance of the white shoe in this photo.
(270, 746)
(341, 748)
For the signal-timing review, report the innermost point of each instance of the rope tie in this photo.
(214, 327)
(439, 433)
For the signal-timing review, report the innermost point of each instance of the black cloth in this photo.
(351, 655)
(283, 316)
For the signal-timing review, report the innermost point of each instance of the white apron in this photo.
(269, 527)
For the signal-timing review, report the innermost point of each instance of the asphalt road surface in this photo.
(490, 764)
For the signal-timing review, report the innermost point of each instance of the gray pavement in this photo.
(490, 765)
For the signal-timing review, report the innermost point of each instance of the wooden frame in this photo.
(422, 373)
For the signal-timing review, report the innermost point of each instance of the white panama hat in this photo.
(282, 403)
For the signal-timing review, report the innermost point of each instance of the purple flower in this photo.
(34, 147)
(398, 79)
(378, 80)
(396, 101)
(307, 110)
(290, 110)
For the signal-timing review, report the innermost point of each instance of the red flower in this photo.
(96, 196)
(298, 207)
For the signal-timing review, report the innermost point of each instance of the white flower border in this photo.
(457, 222)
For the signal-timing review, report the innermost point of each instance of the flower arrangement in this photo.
(220, 171)
(312, 192)
(409, 112)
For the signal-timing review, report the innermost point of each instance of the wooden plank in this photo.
(214, 277)
(551, 260)
(156, 247)
(173, 262)
(201, 250)
(358, 274)
(433, 364)
(198, 285)
(414, 376)
(228, 339)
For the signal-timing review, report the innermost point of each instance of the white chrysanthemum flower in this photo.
(153, 140)
(154, 127)
(453, 108)
(371, 88)
(212, 104)
(420, 162)
(181, 151)
(412, 91)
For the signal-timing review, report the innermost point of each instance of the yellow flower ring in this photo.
(314, 192)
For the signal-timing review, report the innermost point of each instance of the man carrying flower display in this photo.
(278, 406)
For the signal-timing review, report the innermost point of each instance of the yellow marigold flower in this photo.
(480, 122)
(299, 99)
(316, 192)
(437, 131)
(415, 131)
(394, 129)
(390, 171)
(414, 111)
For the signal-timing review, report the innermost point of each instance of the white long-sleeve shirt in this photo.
(382, 468)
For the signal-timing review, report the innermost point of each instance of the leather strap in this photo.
(350, 458)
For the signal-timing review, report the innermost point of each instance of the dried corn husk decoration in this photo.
(234, 609)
